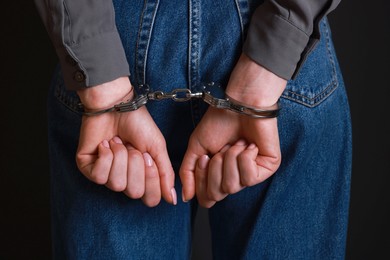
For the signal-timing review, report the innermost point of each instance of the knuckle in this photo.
(98, 178)
(231, 153)
(151, 174)
(134, 193)
(160, 143)
(166, 174)
(185, 174)
(206, 203)
(163, 143)
(214, 195)
(79, 158)
(116, 185)
(121, 153)
(242, 156)
(152, 202)
(200, 177)
(275, 162)
(249, 180)
(230, 187)
(216, 159)
(134, 155)
(193, 140)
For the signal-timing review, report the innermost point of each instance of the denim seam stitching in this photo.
(240, 17)
(137, 43)
(194, 43)
(143, 39)
(66, 100)
(320, 97)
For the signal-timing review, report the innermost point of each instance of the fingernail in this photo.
(117, 140)
(225, 148)
(241, 142)
(203, 161)
(106, 144)
(148, 159)
(174, 196)
(183, 197)
(251, 146)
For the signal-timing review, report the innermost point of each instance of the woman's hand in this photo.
(244, 151)
(124, 151)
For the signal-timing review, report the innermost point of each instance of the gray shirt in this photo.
(281, 35)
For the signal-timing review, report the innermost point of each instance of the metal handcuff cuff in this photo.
(210, 93)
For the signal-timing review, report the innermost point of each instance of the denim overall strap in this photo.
(144, 34)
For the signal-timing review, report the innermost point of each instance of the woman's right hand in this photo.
(124, 151)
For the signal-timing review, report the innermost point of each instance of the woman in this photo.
(278, 187)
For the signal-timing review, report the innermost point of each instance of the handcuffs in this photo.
(210, 93)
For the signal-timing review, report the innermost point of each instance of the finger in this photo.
(188, 168)
(135, 188)
(117, 180)
(215, 176)
(231, 176)
(96, 167)
(255, 168)
(263, 157)
(166, 174)
(201, 182)
(152, 194)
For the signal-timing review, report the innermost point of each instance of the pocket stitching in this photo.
(320, 97)
(66, 100)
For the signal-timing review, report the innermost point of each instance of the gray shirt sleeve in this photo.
(84, 34)
(283, 32)
(86, 40)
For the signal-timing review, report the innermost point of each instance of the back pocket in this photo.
(317, 78)
(67, 98)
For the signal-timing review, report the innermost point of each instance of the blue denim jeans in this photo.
(299, 213)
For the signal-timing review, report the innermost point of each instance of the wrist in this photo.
(107, 94)
(254, 85)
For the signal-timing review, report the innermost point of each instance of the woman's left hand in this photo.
(228, 151)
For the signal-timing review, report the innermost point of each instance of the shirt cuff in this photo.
(93, 61)
(275, 43)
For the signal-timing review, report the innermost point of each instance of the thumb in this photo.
(254, 167)
(166, 174)
(188, 167)
(96, 167)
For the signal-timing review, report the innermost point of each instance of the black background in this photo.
(361, 33)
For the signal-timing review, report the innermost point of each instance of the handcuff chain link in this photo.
(177, 95)
(210, 93)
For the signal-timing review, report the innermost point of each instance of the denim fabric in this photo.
(299, 213)
(302, 211)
